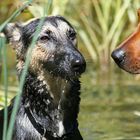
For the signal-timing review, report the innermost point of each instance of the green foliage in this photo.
(7, 134)
(100, 24)
(2, 44)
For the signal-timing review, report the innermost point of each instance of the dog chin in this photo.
(130, 70)
(70, 77)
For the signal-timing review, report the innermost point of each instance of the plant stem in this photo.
(23, 75)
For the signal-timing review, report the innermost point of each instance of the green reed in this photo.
(5, 77)
(7, 134)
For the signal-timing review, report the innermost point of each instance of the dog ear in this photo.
(13, 33)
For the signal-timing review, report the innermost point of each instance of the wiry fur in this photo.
(50, 98)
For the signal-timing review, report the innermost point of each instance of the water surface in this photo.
(107, 118)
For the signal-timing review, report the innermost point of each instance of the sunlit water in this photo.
(108, 119)
(110, 115)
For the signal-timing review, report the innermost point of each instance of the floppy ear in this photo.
(13, 33)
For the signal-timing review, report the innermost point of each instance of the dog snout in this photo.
(78, 64)
(118, 55)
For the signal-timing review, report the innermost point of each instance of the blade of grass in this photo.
(15, 14)
(116, 36)
(89, 30)
(23, 75)
(106, 6)
(59, 7)
(100, 16)
(92, 50)
(22, 79)
(46, 8)
(2, 44)
(116, 6)
(118, 18)
(136, 4)
(40, 9)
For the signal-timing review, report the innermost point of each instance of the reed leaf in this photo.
(15, 14)
(90, 31)
(118, 18)
(106, 6)
(5, 77)
(59, 7)
(117, 35)
(22, 79)
(23, 75)
(92, 50)
(100, 16)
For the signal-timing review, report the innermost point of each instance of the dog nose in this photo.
(118, 56)
(78, 65)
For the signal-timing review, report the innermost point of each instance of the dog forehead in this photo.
(57, 24)
(29, 21)
(63, 24)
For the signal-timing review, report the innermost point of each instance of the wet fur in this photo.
(50, 98)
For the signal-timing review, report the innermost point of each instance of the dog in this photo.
(127, 55)
(49, 104)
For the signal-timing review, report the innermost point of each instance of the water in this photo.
(107, 118)
(106, 113)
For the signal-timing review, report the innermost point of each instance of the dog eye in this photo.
(44, 38)
(72, 35)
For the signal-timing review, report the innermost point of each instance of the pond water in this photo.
(111, 114)
(106, 118)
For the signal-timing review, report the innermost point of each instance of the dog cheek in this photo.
(38, 56)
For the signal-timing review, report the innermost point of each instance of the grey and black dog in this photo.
(50, 99)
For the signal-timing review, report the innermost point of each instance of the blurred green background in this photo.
(110, 99)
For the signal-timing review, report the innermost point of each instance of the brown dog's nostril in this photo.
(118, 56)
(78, 66)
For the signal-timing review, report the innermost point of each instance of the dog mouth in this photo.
(130, 68)
(128, 65)
(125, 62)
(67, 73)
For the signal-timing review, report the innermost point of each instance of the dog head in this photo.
(127, 55)
(55, 50)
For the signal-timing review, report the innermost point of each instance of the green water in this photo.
(106, 112)
(111, 118)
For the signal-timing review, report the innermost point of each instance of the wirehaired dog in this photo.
(50, 99)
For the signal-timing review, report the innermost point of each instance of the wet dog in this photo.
(50, 99)
(127, 55)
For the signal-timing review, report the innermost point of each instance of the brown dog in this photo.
(127, 55)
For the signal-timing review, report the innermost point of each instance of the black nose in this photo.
(78, 65)
(118, 56)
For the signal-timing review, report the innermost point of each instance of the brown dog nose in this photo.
(118, 55)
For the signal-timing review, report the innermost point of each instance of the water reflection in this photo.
(101, 119)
